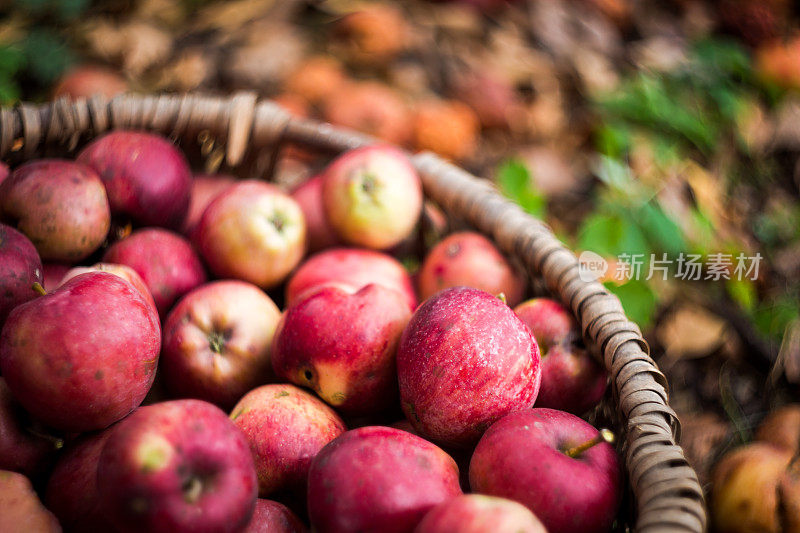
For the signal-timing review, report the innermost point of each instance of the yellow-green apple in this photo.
(123, 271)
(252, 232)
(147, 178)
(342, 344)
(165, 261)
(83, 356)
(60, 205)
(377, 478)
(285, 427)
(205, 187)
(571, 379)
(471, 260)
(558, 466)
(20, 268)
(217, 342)
(354, 267)
(21, 449)
(71, 492)
(464, 361)
(22, 511)
(477, 513)
(309, 197)
(177, 466)
(372, 196)
(274, 517)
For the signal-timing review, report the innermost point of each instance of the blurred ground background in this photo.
(630, 126)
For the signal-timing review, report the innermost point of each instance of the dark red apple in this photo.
(22, 448)
(71, 492)
(343, 344)
(253, 232)
(125, 272)
(539, 458)
(274, 517)
(471, 260)
(85, 355)
(166, 262)
(309, 197)
(286, 427)
(22, 511)
(60, 205)
(52, 274)
(465, 360)
(377, 478)
(205, 187)
(372, 196)
(571, 379)
(178, 466)
(476, 513)
(217, 342)
(354, 267)
(147, 178)
(20, 268)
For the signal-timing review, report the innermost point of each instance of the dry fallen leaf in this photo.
(691, 331)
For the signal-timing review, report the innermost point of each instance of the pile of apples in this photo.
(138, 394)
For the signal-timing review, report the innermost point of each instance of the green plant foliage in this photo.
(514, 181)
(638, 300)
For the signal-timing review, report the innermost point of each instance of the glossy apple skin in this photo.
(377, 478)
(123, 271)
(286, 427)
(252, 232)
(372, 196)
(471, 260)
(165, 261)
(354, 267)
(20, 450)
(205, 187)
(274, 517)
(464, 361)
(309, 197)
(20, 268)
(23, 512)
(85, 355)
(343, 345)
(477, 513)
(572, 380)
(218, 341)
(71, 492)
(60, 205)
(177, 466)
(520, 458)
(147, 178)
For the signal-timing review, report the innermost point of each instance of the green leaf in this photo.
(742, 291)
(514, 181)
(662, 232)
(772, 317)
(47, 55)
(611, 235)
(638, 300)
(12, 59)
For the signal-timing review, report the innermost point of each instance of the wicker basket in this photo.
(664, 489)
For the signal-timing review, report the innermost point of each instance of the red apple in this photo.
(52, 274)
(372, 196)
(476, 513)
(571, 379)
(781, 427)
(205, 187)
(147, 178)
(465, 360)
(85, 355)
(309, 197)
(274, 517)
(217, 342)
(286, 427)
(22, 512)
(85, 81)
(377, 478)
(471, 260)
(539, 458)
(21, 450)
(20, 268)
(166, 262)
(343, 344)
(252, 232)
(125, 272)
(370, 107)
(176, 467)
(354, 267)
(61, 206)
(71, 492)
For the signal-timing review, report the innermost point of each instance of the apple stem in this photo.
(502, 297)
(57, 442)
(605, 435)
(38, 288)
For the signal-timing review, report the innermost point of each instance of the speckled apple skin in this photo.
(285, 427)
(520, 458)
(343, 345)
(84, 356)
(20, 268)
(478, 513)
(147, 178)
(149, 458)
(377, 478)
(274, 517)
(464, 361)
